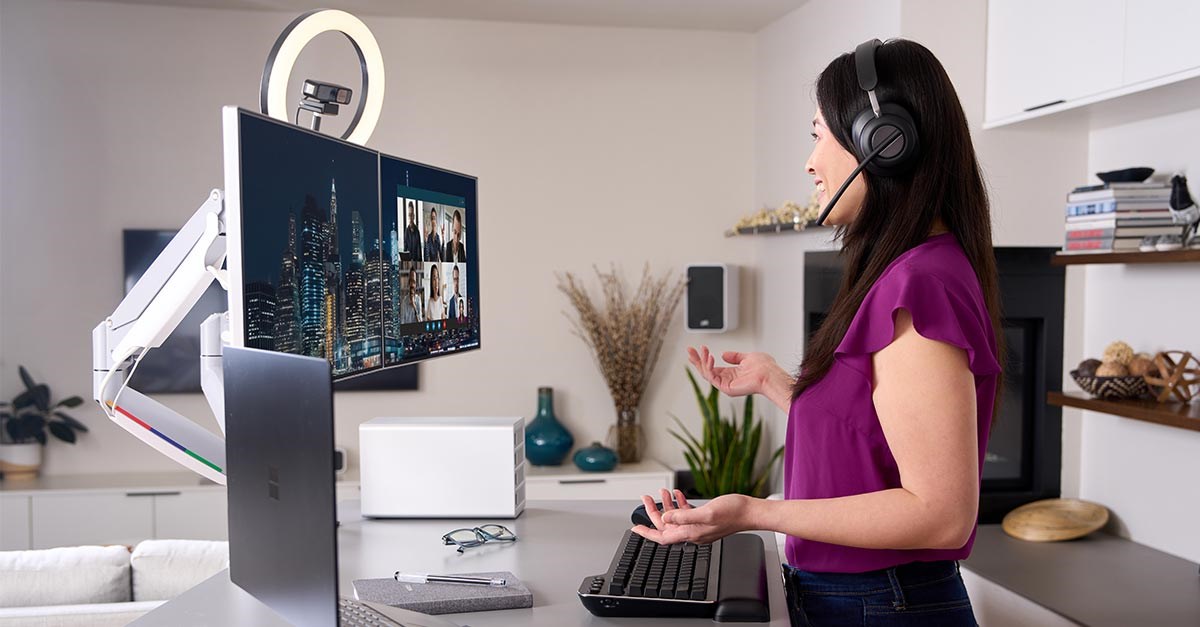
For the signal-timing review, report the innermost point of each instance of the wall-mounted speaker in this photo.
(711, 305)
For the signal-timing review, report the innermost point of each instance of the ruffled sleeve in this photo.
(953, 316)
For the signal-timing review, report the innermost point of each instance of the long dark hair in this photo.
(899, 212)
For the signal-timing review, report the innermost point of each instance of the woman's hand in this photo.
(750, 373)
(714, 520)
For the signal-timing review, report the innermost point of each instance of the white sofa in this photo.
(101, 585)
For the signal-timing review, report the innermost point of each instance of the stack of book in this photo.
(1114, 217)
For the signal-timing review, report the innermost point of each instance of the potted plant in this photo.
(722, 459)
(23, 426)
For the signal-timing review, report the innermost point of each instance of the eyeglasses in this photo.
(476, 536)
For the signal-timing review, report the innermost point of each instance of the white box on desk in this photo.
(442, 467)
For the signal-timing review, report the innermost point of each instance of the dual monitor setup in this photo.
(345, 253)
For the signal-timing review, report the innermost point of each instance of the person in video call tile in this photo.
(436, 310)
(456, 251)
(412, 235)
(412, 309)
(433, 242)
(458, 302)
(890, 411)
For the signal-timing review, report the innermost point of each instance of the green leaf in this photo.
(40, 436)
(62, 432)
(41, 397)
(24, 399)
(71, 422)
(691, 437)
(25, 378)
(74, 401)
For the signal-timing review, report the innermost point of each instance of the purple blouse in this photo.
(835, 444)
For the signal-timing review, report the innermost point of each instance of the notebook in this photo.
(446, 598)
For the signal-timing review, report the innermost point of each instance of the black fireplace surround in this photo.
(1024, 454)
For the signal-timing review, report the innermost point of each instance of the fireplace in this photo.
(1024, 454)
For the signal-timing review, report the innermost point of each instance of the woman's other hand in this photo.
(748, 373)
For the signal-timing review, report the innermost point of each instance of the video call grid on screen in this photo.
(326, 273)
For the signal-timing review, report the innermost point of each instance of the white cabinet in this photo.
(14, 523)
(191, 515)
(103, 518)
(1043, 53)
(627, 481)
(1160, 38)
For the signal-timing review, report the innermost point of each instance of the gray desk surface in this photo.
(1098, 580)
(560, 543)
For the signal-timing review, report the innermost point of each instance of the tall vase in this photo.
(547, 441)
(626, 437)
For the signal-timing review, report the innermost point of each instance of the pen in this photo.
(479, 581)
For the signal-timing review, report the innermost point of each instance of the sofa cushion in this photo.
(63, 576)
(162, 569)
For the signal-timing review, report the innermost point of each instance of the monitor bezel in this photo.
(231, 141)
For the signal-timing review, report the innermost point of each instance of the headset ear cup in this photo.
(869, 132)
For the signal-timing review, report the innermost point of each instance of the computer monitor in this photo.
(338, 251)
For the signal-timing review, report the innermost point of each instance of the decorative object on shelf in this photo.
(625, 336)
(626, 435)
(1128, 175)
(24, 422)
(1120, 374)
(789, 217)
(595, 458)
(1183, 211)
(1177, 373)
(1052, 520)
(547, 441)
(1111, 387)
(722, 461)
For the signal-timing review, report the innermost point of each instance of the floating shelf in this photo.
(1168, 256)
(781, 227)
(1172, 414)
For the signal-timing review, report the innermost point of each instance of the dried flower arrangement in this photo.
(625, 336)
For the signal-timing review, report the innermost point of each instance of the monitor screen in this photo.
(337, 251)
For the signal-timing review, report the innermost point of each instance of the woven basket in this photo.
(1112, 388)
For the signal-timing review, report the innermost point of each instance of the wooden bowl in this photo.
(1051, 520)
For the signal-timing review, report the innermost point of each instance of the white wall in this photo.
(1144, 473)
(590, 144)
(789, 54)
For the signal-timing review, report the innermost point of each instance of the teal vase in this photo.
(547, 441)
(595, 458)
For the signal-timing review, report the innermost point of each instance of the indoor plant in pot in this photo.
(23, 426)
(722, 458)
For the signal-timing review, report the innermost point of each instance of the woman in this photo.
(889, 415)
(437, 306)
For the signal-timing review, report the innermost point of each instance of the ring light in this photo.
(293, 39)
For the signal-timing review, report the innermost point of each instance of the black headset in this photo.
(875, 126)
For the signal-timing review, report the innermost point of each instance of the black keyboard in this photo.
(725, 580)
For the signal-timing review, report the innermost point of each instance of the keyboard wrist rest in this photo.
(742, 592)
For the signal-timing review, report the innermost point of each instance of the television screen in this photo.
(174, 367)
(339, 252)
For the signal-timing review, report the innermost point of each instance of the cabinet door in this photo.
(191, 515)
(1039, 53)
(1160, 38)
(105, 518)
(610, 486)
(14, 523)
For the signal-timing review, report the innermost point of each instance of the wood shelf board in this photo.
(1172, 414)
(781, 227)
(1168, 256)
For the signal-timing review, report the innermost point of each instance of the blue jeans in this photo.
(919, 593)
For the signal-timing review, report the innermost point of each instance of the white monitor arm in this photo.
(146, 317)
